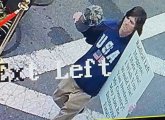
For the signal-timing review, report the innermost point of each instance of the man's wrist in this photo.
(82, 18)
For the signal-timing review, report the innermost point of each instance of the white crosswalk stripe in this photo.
(157, 64)
(27, 100)
(153, 26)
(44, 61)
(33, 102)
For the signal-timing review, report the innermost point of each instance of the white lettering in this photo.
(74, 68)
(112, 56)
(107, 48)
(87, 67)
(59, 76)
(32, 71)
(101, 41)
(103, 65)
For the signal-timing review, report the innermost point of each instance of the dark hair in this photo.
(141, 16)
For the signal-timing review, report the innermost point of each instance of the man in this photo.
(108, 40)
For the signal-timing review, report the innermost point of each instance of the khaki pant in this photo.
(70, 98)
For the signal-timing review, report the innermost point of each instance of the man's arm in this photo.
(80, 22)
(92, 33)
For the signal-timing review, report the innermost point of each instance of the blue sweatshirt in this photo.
(108, 45)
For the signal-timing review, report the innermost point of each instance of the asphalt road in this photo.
(50, 26)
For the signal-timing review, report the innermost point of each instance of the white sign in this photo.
(128, 80)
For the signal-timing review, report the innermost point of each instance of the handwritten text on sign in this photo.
(128, 80)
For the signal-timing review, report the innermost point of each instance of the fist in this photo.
(93, 15)
(77, 16)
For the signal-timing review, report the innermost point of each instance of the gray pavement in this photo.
(46, 27)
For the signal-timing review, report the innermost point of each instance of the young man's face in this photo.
(128, 26)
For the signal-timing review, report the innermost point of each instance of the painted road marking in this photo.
(33, 102)
(157, 64)
(27, 100)
(153, 26)
(44, 61)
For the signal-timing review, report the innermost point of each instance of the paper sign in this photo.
(128, 80)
